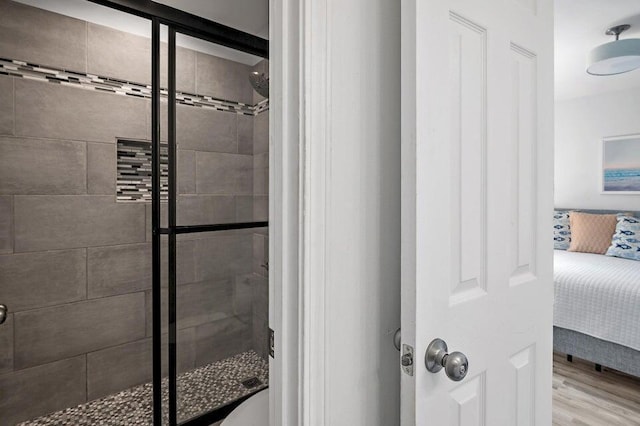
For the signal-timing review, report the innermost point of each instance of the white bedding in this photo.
(598, 295)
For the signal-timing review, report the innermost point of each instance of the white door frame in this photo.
(298, 169)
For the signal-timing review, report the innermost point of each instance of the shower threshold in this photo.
(199, 391)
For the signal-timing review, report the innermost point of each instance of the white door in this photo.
(477, 201)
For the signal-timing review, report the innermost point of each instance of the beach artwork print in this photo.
(621, 164)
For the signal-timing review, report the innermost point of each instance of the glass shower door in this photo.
(217, 291)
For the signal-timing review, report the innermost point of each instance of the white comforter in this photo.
(599, 296)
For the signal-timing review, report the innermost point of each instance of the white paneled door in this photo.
(477, 201)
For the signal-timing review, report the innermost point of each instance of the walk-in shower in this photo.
(133, 215)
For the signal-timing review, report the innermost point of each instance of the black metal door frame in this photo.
(195, 26)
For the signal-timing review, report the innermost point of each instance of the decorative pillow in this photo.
(626, 240)
(561, 230)
(591, 233)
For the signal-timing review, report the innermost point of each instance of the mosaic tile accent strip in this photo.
(199, 391)
(133, 181)
(120, 87)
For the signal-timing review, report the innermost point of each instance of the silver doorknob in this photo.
(3, 313)
(455, 364)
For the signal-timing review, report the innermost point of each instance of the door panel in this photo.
(477, 198)
(523, 167)
(467, 158)
(468, 403)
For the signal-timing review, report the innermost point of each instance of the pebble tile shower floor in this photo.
(199, 391)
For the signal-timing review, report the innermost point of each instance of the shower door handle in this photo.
(3, 313)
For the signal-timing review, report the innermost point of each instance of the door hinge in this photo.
(406, 360)
(272, 343)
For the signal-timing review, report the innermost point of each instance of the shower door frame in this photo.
(182, 22)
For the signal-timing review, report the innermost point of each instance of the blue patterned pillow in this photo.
(626, 240)
(561, 230)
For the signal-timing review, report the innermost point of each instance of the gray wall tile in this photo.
(6, 105)
(49, 334)
(245, 134)
(118, 269)
(120, 367)
(260, 254)
(55, 222)
(197, 303)
(101, 168)
(261, 161)
(260, 314)
(6, 224)
(43, 389)
(186, 350)
(53, 111)
(47, 167)
(260, 337)
(244, 208)
(221, 339)
(260, 297)
(260, 207)
(261, 181)
(6, 345)
(205, 209)
(203, 129)
(221, 257)
(185, 68)
(223, 79)
(34, 280)
(125, 56)
(261, 133)
(186, 172)
(127, 268)
(243, 297)
(224, 173)
(117, 54)
(41, 37)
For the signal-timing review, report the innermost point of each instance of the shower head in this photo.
(260, 83)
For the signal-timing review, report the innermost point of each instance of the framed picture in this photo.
(621, 165)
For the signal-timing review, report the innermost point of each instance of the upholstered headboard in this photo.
(632, 212)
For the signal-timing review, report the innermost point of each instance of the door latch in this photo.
(406, 360)
(272, 343)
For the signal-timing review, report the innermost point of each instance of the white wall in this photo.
(362, 382)
(580, 126)
(335, 149)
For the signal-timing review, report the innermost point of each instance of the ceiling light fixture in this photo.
(615, 57)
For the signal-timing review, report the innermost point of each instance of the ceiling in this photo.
(251, 16)
(579, 27)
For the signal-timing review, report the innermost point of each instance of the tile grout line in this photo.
(13, 88)
(86, 167)
(13, 224)
(86, 377)
(86, 273)
(86, 46)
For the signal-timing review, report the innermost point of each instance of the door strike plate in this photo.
(406, 360)
(272, 343)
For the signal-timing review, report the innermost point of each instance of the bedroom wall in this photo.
(581, 124)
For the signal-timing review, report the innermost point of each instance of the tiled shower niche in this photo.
(134, 171)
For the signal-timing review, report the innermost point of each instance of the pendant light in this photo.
(615, 57)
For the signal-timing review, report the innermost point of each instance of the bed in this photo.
(597, 309)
